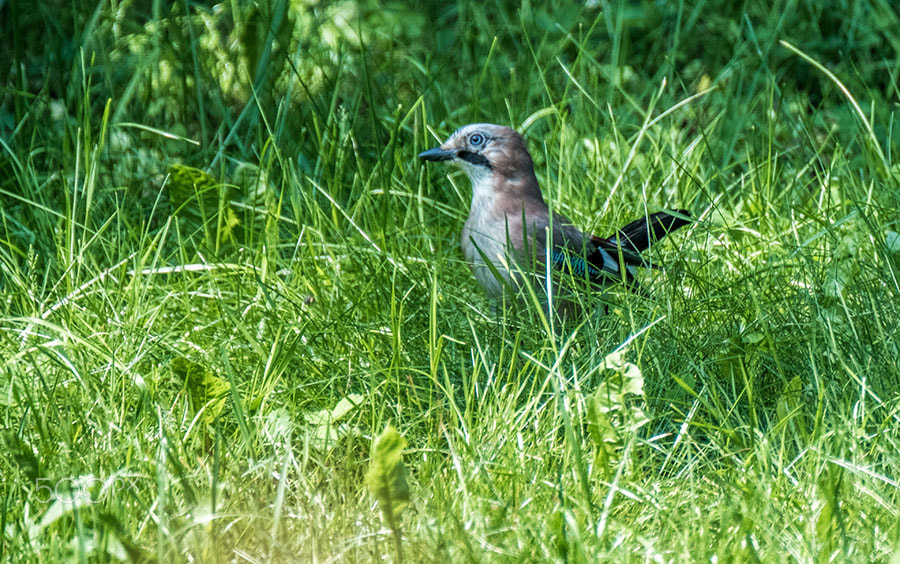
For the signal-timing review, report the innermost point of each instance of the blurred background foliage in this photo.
(233, 74)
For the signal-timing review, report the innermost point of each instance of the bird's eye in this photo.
(476, 139)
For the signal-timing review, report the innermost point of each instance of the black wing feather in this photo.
(629, 242)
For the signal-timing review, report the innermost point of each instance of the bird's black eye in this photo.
(476, 139)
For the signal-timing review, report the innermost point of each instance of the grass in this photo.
(224, 274)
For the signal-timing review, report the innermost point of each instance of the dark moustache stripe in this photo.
(474, 158)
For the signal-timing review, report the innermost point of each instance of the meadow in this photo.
(236, 325)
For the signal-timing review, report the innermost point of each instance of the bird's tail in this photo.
(620, 254)
(638, 235)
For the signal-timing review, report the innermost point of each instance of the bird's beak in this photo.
(437, 154)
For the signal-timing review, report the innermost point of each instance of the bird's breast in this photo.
(484, 240)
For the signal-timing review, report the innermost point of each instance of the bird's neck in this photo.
(522, 185)
(497, 192)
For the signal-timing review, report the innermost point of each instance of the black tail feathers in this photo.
(638, 235)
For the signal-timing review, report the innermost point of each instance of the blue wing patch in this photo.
(578, 266)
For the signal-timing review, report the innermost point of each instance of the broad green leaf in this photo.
(612, 412)
(326, 426)
(386, 477)
(205, 390)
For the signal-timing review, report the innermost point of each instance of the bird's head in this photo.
(483, 150)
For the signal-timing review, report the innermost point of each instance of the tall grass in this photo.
(224, 273)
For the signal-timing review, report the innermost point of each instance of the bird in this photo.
(511, 233)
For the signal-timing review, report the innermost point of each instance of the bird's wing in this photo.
(597, 265)
(639, 235)
(579, 255)
(611, 259)
(604, 260)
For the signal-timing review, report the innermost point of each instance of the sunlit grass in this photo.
(213, 301)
